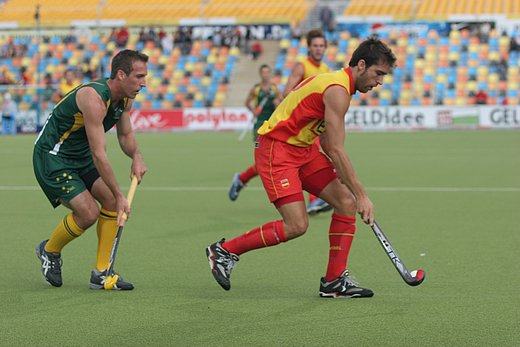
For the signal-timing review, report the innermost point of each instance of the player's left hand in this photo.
(365, 208)
(123, 210)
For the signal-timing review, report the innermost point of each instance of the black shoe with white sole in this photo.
(221, 263)
(97, 281)
(50, 264)
(342, 288)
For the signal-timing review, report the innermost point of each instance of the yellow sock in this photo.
(106, 231)
(65, 232)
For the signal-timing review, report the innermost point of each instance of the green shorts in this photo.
(61, 179)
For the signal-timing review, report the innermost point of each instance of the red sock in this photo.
(341, 235)
(269, 234)
(249, 173)
(312, 197)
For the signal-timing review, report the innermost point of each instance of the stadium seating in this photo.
(153, 12)
(197, 79)
(432, 69)
(431, 10)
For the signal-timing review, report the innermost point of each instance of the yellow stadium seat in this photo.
(461, 101)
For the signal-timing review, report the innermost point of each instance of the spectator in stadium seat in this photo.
(69, 82)
(217, 38)
(113, 34)
(327, 19)
(70, 37)
(502, 67)
(186, 40)
(256, 49)
(122, 37)
(142, 36)
(288, 160)
(167, 44)
(161, 34)
(481, 98)
(237, 42)
(152, 35)
(25, 77)
(5, 76)
(296, 30)
(247, 40)
(514, 43)
(261, 100)
(9, 111)
(48, 87)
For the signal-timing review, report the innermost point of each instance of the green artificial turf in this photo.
(448, 201)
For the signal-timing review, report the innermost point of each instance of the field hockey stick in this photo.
(252, 121)
(111, 279)
(247, 129)
(413, 278)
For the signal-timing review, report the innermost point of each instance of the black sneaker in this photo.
(51, 264)
(236, 187)
(221, 263)
(97, 281)
(342, 288)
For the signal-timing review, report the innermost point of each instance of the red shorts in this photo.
(286, 170)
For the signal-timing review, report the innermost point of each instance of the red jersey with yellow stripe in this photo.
(310, 68)
(299, 119)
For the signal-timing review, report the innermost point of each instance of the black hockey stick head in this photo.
(415, 277)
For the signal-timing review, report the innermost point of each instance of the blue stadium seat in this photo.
(450, 93)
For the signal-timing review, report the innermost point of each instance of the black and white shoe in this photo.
(97, 281)
(50, 263)
(342, 288)
(221, 263)
(236, 187)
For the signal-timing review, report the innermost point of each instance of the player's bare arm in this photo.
(294, 78)
(277, 96)
(126, 138)
(337, 102)
(249, 100)
(94, 110)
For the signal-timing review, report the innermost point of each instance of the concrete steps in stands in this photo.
(245, 73)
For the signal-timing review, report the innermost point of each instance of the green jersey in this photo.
(266, 100)
(64, 132)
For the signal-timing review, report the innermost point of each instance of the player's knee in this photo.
(346, 204)
(89, 217)
(296, 228)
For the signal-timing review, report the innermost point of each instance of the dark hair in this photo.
(124, 60)
(315, 33)
(373, 51)
(263, 66)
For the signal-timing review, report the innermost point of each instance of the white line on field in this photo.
(374, 189)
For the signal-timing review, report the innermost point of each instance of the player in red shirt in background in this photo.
(289, 161)
(312, 65)
(261, 101)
